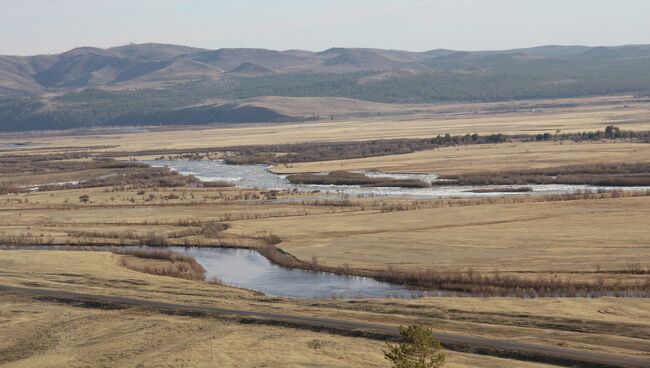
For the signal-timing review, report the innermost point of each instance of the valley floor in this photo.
(87, 198)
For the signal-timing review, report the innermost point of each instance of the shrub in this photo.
(180, 266)
(218, 184)
(615, 174)
(351, 178)
(10, 189)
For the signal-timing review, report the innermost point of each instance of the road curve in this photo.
(483, 345)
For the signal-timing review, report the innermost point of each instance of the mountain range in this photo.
(149, 65)
(141, 84)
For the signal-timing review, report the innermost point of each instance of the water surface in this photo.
(250, 270)
(258, 176)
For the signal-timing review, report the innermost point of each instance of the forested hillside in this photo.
(155, 84)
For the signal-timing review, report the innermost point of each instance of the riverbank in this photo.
(359, 184)
(237, 266)
(339, 178)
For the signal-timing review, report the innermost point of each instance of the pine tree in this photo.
(418, 349)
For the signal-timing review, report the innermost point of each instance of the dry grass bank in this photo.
(614, 174)
(350, 178)
(582, 235)
(490, 157)
(495, 284)
(166, 263)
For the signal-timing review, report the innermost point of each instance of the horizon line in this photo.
(333, 47)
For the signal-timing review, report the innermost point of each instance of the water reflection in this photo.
(248, 269)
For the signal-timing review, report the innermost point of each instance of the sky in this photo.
(29, 27)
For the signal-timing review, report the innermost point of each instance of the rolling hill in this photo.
(163, 84)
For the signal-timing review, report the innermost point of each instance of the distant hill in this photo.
(125, 65)
(251, 69)
(90, 86)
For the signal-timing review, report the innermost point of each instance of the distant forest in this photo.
(537, 80)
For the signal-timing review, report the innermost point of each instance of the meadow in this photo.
(565, 116)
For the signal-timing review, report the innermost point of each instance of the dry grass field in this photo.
(56, 335)
(486, 157)
(588, 115)
(541, 237)
(71, 335)
(547, 237)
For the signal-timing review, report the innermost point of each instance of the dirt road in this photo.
(475, 344)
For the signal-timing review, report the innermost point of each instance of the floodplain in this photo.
(569, 270)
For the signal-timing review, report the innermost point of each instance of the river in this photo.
(250, 270)
(258, 176)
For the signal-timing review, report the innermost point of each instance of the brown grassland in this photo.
(589, 114)
(593, 239)
(493, 157)
(70, 334)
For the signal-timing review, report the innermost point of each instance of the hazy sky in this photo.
(50, 26)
